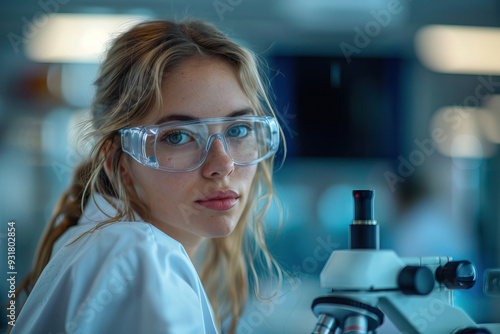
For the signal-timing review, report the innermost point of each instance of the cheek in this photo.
(252, 172)
(246, 175)
(154, 186)
(167, 187)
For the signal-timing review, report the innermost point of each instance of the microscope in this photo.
(368, 283)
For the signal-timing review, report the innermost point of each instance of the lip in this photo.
(219, 200)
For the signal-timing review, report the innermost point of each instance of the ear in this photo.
(109, 152)
(125, 170)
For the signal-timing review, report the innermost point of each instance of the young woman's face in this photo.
(206, 202)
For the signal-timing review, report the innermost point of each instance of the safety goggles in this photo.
(184, 146)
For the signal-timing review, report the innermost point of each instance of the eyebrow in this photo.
(175, 117)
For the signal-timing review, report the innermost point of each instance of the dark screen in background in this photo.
(329, 108)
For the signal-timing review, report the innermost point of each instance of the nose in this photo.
(218, 163)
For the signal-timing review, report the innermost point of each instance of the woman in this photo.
(185, 139)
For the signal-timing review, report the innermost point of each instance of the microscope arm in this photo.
(417, 314)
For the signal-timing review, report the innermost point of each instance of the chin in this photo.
(219, 229)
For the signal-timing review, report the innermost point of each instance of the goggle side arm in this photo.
(275, 135)
(134, 143)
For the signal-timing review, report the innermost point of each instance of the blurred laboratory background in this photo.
(398, 96)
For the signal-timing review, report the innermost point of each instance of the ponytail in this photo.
(67, 212)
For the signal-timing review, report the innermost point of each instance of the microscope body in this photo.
(368, 283)
(377, 278)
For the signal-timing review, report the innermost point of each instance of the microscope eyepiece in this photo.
(364, 231)
(363, 204)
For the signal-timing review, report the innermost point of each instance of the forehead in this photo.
(201, 88)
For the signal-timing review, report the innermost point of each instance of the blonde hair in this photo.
(127, 89)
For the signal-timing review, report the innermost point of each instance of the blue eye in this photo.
(238, 131)
(177, 138)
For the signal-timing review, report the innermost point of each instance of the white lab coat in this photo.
(128, 277)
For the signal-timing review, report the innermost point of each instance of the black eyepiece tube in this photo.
(364, 230)
(363, 204)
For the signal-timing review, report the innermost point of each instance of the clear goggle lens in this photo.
(184, 146)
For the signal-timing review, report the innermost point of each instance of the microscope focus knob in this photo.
(457, 275)
(416, 280)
